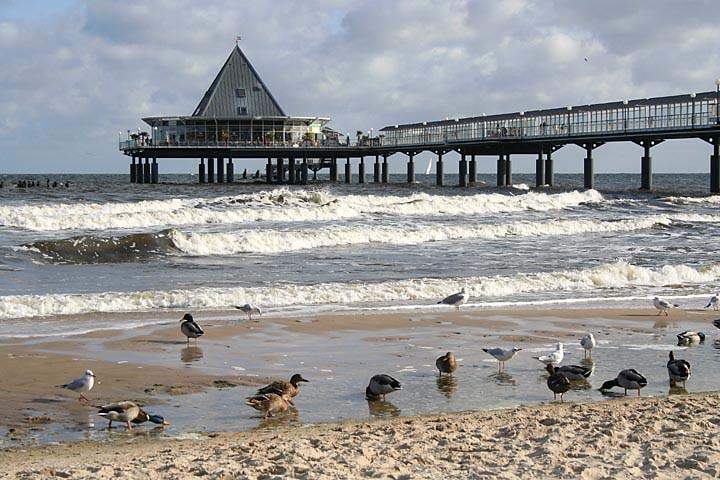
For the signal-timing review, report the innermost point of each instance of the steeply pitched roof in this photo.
(238, 86)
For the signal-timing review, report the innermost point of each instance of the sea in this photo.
(102, 244)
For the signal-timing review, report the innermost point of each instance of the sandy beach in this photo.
(623, 438)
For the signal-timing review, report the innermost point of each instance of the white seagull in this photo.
(714, 302)
(588, 343)
(502, 355)
(663, 305)
(82, 385)
(554, 358)
(250, 309)
(456, 299)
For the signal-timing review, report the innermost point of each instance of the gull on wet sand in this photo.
(190, 328)
(714, 302)
(249, 309)
(82, 385)
(588, 343)
(554, 358)
(381, 385)
(456, 299)
(502, 355)
(663, 306)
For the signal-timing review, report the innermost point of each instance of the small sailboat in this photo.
(429, 167)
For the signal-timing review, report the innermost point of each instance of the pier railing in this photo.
(141, 142)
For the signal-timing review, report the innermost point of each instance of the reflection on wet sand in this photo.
(382, 408)
(675, 390)
(191, 354)
(580, 385)
(447, 385)
(286, 419)
(504, 379)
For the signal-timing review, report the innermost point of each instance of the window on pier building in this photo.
(242, 110)
(240, 92)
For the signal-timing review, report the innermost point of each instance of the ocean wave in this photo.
(709, 200)
(611, 276)
(279, 205)
(92, 249)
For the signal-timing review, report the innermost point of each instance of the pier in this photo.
(238, 118)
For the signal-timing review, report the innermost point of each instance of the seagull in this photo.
(629, 379)
(189, 328)
(250, 309)
(82, 385)
(456, 299)
(588, 343)
(663, 305)
(554, 358)
(502, 355)
(381, 385)
(557, 382)
(714, 302)
(446, 363)
(678, 370)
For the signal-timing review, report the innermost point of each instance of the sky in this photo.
(73, 73)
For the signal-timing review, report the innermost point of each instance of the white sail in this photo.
(429, 167)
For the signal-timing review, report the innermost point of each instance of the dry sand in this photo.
(674, 437)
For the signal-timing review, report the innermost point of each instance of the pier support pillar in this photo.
(146, 171)
(376, 169)
(508, 170)
(589, 170)
(462, 172)
(220, 169)
(268, 171)
(539, 171)
(139, 176)
(549, 173)
(385, 170)
(304, 172)
(348, 171)
(361, 170)
(501, 170)
(439, 177)
(280, 174)
(230, 171)
(201, 171)
(334, 170)
(210, 170)
(472, 171)
(154, 173)
(646, 169)
(411, 169)
(132, 171)
(715, 167)
(292, 177)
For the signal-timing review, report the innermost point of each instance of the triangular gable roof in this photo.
(225, 98)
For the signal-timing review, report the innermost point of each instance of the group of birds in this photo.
(278, 396)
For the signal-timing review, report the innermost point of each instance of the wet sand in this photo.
(624, 438)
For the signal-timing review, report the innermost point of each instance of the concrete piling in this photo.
(462, 172)
(411, 168)
(230, 171)
(334, 170)
(715, 167)
(439, 177)
(508, 170)
(361, 170)
(146, 171)
(268, 171)
(385, 169)
(589, 170)
(472, 171)
(348, 171)
(549, 174)
(133, 172)
(210, 170)
(220, 169)
(501, 170)
(539, 170)
(292, 180)
(154, 172)
(201, 171)
(280, 174)
(646, 168)
(376, 169)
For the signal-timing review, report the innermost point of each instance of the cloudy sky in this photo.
(75, 72)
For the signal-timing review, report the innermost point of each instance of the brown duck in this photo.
(269, 404)
(446, 363)
(290, 389)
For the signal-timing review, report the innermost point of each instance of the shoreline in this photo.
(626, 437)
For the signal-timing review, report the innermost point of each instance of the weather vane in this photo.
(237, 40)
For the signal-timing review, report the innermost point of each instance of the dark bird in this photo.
(120, 412)
(678, 370)
(629, 379)
(716, 323)
(290, 389)
(189, 328)
(557, 382)
(381, 385)
(446, 363)
(575, 372)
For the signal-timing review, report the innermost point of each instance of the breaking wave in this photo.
(611, 276)
(91, 249)
(280, 205)
(710, 200)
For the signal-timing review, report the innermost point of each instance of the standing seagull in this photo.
(381, 385)
(456, 299)
(714, 302)
(250, 309)
(663, 305)
(189, 328)
(555, 358)
(588, 343)
(82, 385)
(502, 355)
